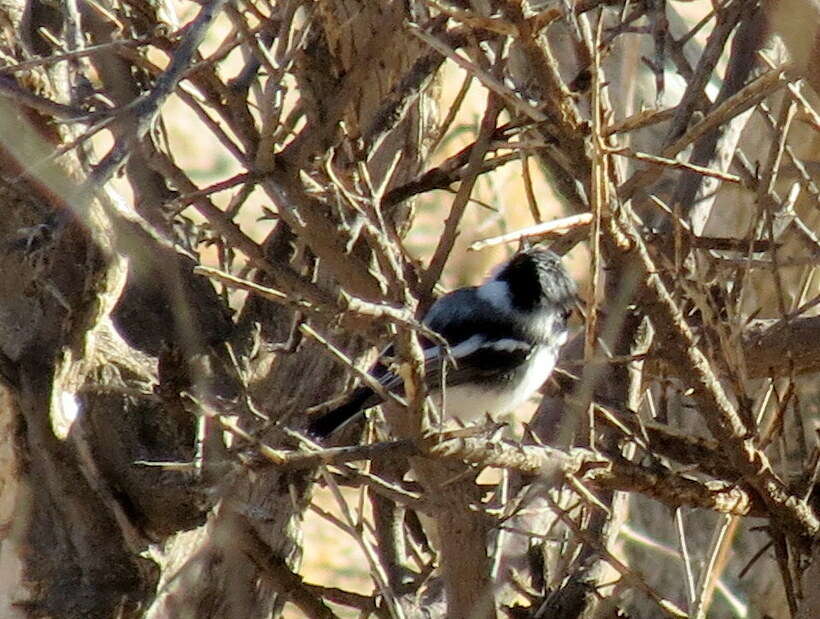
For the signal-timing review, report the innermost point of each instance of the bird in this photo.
(503, 337)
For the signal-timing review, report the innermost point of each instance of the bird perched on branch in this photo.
(503, 336)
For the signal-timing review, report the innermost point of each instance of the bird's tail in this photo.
(326, 424)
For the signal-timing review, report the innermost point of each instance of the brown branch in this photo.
(640, 120)
(278, 574)
(677, 164)
(681, 446)
(406, 92)
(696, 194)
(725, 22)
(628, 575)
(233, 235)
(602, 472)
(778, 348)
(448, 236)
(443, 175)
(10, 89)
(76, 53)
(365, 603)
(575, 226)
(308, 218)
(749, 96)
(682, 350)
(146, 108)
(592, 468)
(491, 81)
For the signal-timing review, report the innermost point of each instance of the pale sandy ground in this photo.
(331, 556)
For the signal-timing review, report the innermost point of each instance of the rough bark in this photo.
(151, 410)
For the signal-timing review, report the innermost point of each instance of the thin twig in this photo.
(77, 53)
(746, 98)
(551, 229)
(676, 164)
(720, 414)
(146, 107)
(491, 82)
(448, 236)
(666, 606)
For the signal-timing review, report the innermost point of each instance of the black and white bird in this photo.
(504, 338)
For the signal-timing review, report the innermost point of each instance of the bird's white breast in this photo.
(468, 402)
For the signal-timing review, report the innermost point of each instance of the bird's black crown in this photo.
(536, 278)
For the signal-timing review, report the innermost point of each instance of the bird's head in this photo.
(537, 279)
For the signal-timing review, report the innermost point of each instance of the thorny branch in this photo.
(590, 468)
(328, 126)
(722, 417)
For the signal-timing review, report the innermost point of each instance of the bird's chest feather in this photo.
(502, 393)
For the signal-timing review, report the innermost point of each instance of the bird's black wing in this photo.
(482, 344)
(478, 360)
(483, 341)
